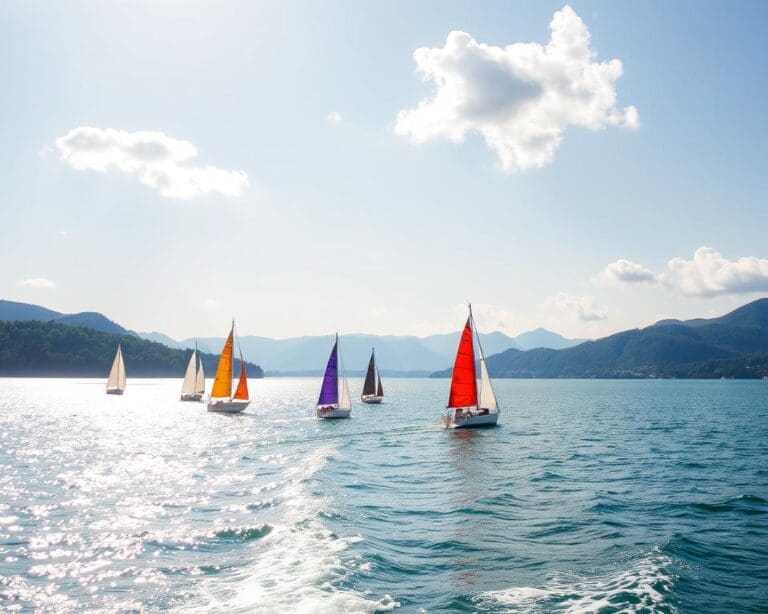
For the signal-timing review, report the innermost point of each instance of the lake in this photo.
(605, 496)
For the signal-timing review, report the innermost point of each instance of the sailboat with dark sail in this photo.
(373, 391)
(469, 406)
(221, 399)
(334, 403)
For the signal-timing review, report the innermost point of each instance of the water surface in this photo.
(607, 496)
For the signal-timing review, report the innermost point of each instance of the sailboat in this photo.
(193, 387)
(468, 406)
(221, 399)
(329, 405)
(373, 391)
(116, 381)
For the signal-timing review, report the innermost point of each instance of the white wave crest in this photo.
(640, 589)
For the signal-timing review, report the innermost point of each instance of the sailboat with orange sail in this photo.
(468, 405)
(222, 400)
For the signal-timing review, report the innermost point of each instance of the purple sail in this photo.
(329, 393)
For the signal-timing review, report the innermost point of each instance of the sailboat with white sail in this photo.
(334, 403)
(469, 406)
(193, 387)
(373, 391)
(222, 400)
(116, 380)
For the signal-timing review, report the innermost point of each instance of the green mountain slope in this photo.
(734, 345)
(50, 349)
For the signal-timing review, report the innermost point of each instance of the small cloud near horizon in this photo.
(708, 274)
(155, 159)
(38, 283)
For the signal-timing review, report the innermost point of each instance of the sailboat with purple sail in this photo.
(334, 403)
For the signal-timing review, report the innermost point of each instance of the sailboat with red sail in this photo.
(468, 404)
(222, 400)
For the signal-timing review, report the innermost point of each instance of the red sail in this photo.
(242, 386)
(464, 381)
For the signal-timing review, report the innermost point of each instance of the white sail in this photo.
(345, 402)
(188, 387)
(116, 379)
(487, 397)
(200, 382)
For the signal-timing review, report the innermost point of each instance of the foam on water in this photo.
(642, 588)
(298, 567)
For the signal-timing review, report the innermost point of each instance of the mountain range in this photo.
(397, 355)
(733, 345)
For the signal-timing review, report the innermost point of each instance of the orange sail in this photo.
(464, 380)
(222, 385)
(242, 385)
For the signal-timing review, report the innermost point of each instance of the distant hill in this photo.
(51, 349)
(733, 345)
(11, 311)
(543, 338)
(397, 355)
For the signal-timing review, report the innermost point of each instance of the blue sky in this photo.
(322, 213)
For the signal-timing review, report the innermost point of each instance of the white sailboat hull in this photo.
(454, 420)
(228, 407)
(371, 399)
(192, 397)
(114, 391)
(333, 412)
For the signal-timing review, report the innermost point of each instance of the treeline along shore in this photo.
(49, 349)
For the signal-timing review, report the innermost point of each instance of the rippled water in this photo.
(648, 496)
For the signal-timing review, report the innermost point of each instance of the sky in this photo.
(308, 167)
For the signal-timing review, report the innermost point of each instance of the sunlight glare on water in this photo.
(590, 496)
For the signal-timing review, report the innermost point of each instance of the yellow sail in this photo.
(222, 385)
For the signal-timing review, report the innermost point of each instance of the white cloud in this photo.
(210, 304)
(710, 274)
(626, 272)
(156, 160)
(334, 118)
(38, 283)
(520, 98)
(582, 308)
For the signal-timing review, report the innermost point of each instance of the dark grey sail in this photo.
(369, 387)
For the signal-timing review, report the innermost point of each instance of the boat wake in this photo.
(643, 588)
(299, 564)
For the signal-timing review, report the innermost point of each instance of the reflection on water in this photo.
(601, 496)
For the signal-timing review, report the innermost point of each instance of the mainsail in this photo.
(369, 386)
(464, 382)
(222, 384)
(116, 379)
(329, 393)
(190, 376)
